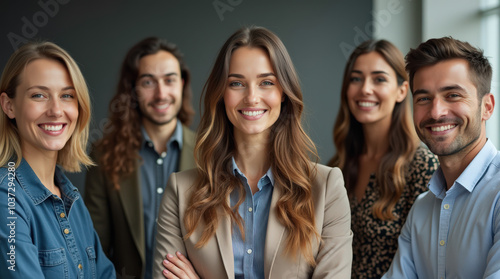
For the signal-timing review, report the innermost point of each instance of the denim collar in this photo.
(37, 191)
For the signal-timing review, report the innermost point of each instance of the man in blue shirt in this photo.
(144, 141)
(453, 230)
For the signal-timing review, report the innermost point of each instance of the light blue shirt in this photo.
(454, 233)
(154, 173)
(249, 253)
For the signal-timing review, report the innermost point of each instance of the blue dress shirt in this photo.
(249, 253)
(43, 235)
(454, 233)
(154, 173)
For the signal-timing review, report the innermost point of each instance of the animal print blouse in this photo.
(375, 241)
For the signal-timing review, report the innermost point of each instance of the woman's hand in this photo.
(178, 267)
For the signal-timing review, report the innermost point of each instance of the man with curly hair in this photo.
(145, 140)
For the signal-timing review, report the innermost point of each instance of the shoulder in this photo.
(325, 172)
(183, 179)
(188, 135)
(328, 178)
(424, 161)
(423, 155)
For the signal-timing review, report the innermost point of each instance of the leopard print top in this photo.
(375, 242)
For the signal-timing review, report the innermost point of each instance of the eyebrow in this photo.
(441, 89)
(373, 73)
(152, 76)
(258, 76)
(41, 87)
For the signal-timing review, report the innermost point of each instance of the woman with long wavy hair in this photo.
(256, 206)
(378, 152)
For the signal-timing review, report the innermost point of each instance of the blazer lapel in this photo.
(225, 242)
(130, 195)
(274, 234)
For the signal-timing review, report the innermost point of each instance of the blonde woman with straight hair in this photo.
(44, 123)
(256, 206)
(378, 151)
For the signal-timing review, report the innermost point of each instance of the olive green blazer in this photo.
(118, 214)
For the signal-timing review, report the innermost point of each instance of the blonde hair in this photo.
(73, 153)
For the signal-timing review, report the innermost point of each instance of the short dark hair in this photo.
(437, 50)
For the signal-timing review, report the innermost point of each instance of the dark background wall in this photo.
(318, 35)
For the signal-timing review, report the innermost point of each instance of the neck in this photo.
(160, 134)
(376, 143)
(252, 155)
(44, 166)
(453, 165)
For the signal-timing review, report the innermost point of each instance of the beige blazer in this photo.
(215, 259)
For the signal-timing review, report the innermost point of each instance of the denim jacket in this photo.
(42, 235)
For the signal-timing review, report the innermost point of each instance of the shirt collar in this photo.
(37, 191)
(236, 170)
(469, 178)
(176, 136)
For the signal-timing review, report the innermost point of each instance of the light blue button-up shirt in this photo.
(249, 253)
(454, 233)
(154, 173)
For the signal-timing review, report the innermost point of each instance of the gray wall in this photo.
(319, 36)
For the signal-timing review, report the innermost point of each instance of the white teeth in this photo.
(367, 104)
(252, 113)
(442, 128)
(52, 127)
(162, 106)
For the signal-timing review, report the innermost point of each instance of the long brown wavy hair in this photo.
(290, 151)
(350, 141)
(120, 144)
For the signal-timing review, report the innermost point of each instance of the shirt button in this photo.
(446, 206)
(159, 191)
(250, 209)
(441, 242)
(80, 266)
(159, 161)
(62, 215)
(66, 231)
(249, 251)
(163, 154)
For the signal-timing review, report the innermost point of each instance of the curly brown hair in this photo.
(119, 147)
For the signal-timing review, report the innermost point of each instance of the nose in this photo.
(161, 90)
(367, 87)
(55, 108)
(252, 96)
(439, 108)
